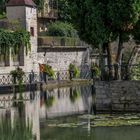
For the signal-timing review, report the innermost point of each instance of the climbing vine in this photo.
(14, 40)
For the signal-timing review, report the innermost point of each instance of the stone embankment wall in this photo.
(118, 95)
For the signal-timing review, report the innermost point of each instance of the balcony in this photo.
(52, 14)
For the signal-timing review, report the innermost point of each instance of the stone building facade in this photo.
(25, 12)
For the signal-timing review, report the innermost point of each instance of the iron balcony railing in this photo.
(31, 77)
(52, 14)
(7, 79)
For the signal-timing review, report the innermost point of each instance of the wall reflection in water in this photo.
(21, 114)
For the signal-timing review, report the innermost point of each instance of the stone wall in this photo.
(61, 58)
(118, 95)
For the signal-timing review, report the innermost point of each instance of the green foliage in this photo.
(2, 7)
(40, 4)
(129, 11)
(73, 68)
(102, 21)
(17, 75)
(64, 11)
(135, 71)
(49, 70)
(49, 102)
(14, 40)
(61, 29)
(74, 95)
(136, 32)
(95, 70)
(2, 16)
(19, 129)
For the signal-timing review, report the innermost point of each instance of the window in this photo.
(32, 31)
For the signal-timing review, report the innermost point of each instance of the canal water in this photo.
(62, 114)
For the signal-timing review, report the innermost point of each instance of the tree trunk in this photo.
(119, 58)
(109, 60)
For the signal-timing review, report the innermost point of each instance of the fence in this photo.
(7, 79)
(31, 77)
(126, 72)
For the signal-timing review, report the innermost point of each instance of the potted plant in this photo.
(17, 75)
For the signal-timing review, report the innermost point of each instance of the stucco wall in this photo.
(118, 95)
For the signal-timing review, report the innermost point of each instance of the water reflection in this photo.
(15, 126)
(26, 116)
(26, 110)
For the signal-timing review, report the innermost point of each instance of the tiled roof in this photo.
(21, 3)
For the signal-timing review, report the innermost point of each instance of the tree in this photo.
(91, 21)
(99, 22)
(2, 6)
(64, 10)
(136, 32)
(123, 16)
(39, 3)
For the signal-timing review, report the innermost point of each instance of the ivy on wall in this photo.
(14, 40)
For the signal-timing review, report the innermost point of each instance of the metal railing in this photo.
(126, 72)
(7, 79)
(31, 77)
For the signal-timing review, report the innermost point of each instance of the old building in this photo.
(56, 53)
(25, 12)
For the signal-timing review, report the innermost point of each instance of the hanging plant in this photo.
(14, 40)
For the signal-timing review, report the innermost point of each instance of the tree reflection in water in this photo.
(47, 99)
(74, 94)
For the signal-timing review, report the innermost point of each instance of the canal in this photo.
(63, 114)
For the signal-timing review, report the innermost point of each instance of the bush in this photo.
(62, 29)
(17, 75)
(95, 71)
(73, 68)
(135, 71)
(49, 70)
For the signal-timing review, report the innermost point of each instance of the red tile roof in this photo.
(21, 3)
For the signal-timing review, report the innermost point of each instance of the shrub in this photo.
(49, 70)
(62, 29)
(95, 70)
(73, 68)
(17, 75)
(135, 71)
